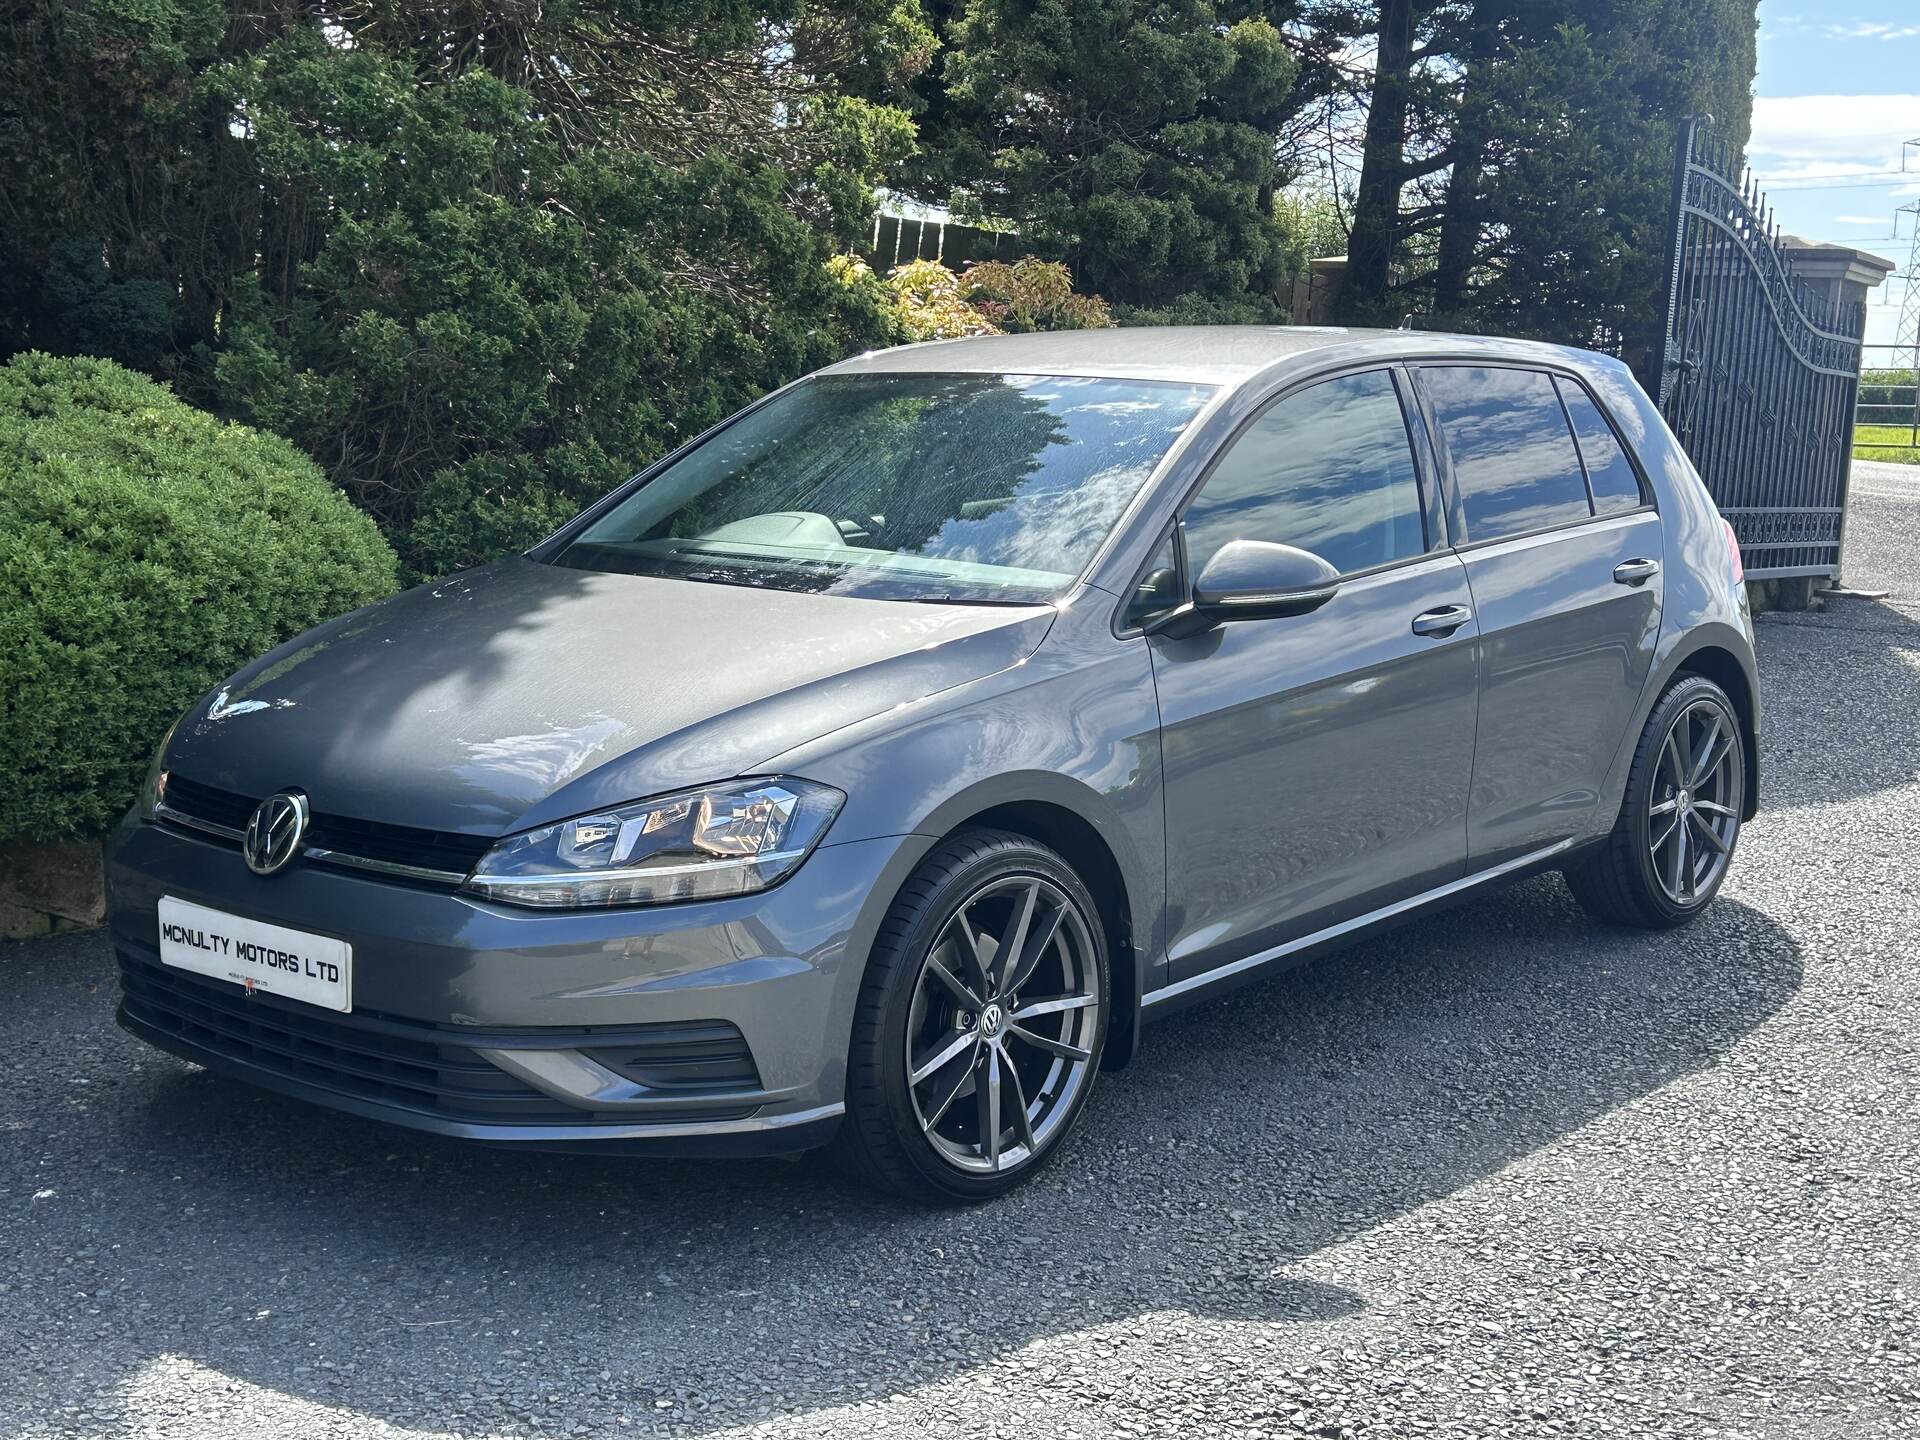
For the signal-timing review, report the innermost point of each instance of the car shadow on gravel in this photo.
(442, 1286)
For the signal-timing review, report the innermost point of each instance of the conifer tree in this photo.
(1134, 140)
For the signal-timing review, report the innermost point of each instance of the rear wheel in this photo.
(980, 1024)
(1680, 819)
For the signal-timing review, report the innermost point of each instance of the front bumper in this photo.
(716, 1027)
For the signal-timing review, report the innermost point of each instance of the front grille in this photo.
(398, 844)
(205, 802)
(371, 840)
(430, 1069)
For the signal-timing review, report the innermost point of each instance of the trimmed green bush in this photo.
(1887, 397)
(146, 550)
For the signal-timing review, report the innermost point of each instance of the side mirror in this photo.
(1254, 580)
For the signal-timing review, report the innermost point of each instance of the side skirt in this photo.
(1169, 998)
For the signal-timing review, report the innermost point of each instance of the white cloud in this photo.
(1873, 30)
(1832, 136)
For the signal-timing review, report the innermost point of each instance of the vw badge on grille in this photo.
(275, 831)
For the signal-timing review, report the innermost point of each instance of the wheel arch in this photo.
(1080, 842)
(1715, 662)
(1082, 846)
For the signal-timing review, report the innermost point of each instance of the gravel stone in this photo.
(1498, 1173)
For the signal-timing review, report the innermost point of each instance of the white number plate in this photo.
(315, 968)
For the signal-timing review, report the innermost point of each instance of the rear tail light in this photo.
(1733, 551)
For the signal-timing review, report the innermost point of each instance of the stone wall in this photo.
(50, 885)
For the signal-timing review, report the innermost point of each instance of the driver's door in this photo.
(1317, 766)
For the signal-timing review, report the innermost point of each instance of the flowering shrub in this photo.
(1031, 294)
(924, 300)
(926, 303)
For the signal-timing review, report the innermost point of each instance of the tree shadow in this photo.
(263, 1239)
(333, 703)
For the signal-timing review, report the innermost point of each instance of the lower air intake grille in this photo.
(707, 1055)
(418, 1066)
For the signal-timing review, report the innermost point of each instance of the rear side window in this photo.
(1513, 455)
(1327, 469)
(1615, 485)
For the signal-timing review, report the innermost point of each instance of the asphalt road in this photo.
(1500, 1173)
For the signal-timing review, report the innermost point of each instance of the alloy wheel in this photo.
(1694, 817)
(1003, 1025)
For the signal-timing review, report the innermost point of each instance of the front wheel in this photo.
(980, 1023)
(1680, 819)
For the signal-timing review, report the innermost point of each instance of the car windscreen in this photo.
(955, 487)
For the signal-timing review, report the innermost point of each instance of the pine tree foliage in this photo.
(1133, 140)
(1523, 187)
(480, 262)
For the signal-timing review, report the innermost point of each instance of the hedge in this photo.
(146, 550)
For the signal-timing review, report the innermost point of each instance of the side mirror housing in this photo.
(1254, 580)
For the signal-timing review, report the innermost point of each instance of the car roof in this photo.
(1196, 354)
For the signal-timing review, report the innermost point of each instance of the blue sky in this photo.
(1837, 95)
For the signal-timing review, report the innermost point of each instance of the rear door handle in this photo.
(1635, 572)
(1442, 622)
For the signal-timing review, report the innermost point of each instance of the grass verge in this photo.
(1885, 442)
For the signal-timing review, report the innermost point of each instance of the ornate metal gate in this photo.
(1757, 372)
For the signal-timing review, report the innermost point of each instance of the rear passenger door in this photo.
(1563, 553)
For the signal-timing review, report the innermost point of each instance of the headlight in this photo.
(153, 790)
(721, 840)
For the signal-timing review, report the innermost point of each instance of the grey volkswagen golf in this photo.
(867, 772)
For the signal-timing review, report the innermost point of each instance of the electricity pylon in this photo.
(1906, 340)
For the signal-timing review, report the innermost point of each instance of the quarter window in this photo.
(1610, 474)
(1157, 592)
(1327, 469)
(1513, 455)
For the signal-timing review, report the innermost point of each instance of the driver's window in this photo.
(1327, 469)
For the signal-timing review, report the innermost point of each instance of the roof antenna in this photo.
(1406, 320)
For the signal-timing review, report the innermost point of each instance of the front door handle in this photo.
(1442, 622)
(1635, 572)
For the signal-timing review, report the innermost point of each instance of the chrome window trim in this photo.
(1589, 522)
(1347, 927)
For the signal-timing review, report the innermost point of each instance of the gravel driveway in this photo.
(1499, 1173)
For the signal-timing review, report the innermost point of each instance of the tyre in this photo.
(1680, 819)
(980, 1022)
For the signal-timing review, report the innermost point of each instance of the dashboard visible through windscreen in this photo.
(915, 486)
